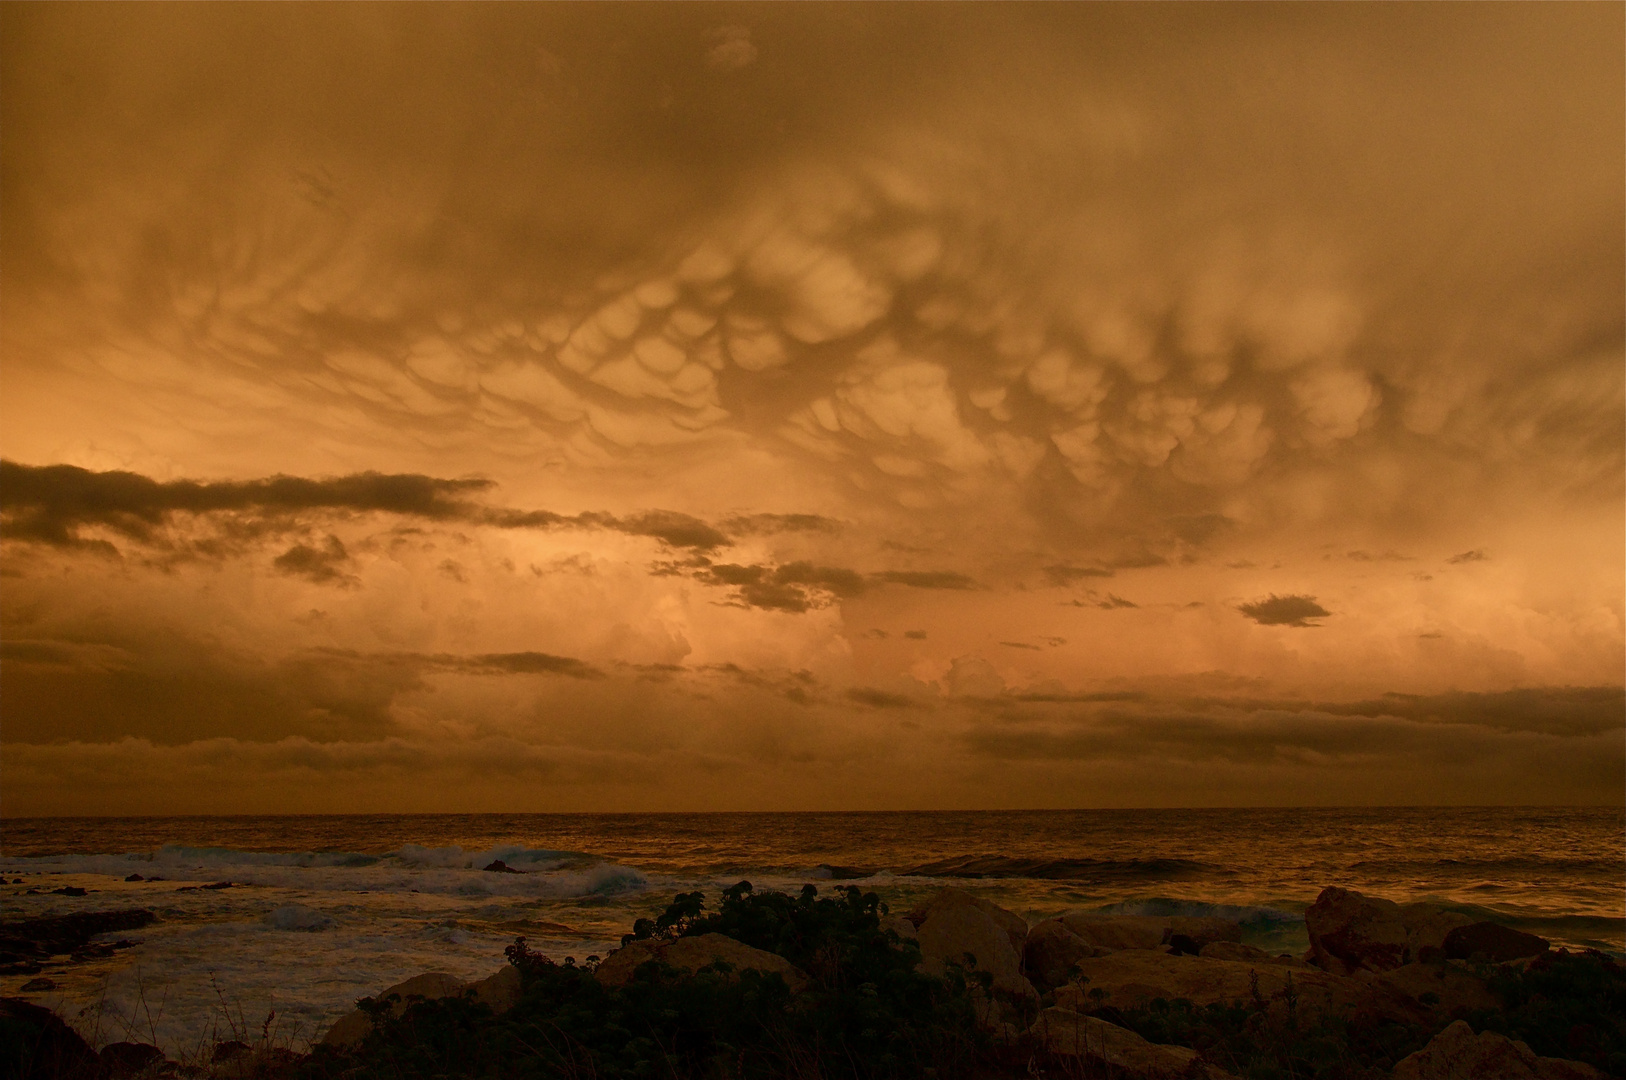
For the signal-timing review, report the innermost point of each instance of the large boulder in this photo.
(1350, 932)
(1457, 1052)
(1134, 977)
(956, 927)
(1072, 1034)
(693, 953)
(499, 991)
(1494, 942)
(1453, 990)
(1426, 926)
(1051, 951)
(36, 1044)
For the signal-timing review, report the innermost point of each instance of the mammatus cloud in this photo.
(323, 565)
(1290, 610)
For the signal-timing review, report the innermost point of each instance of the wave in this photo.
(1552, 863)
(1096, 871)
(1249, 915)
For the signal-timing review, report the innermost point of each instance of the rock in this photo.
(1072, 1034)
(297, 917)
(1453, 989)
(41, 1046)
(1350, 932)
(1051, 951)
(499, 991)
(68, 890)
(355, 1026)
(38, 986)
(956, 924)
(693, 953)
(1235, 950)
(901, 924)
(1426, 927)
(1494, 942)
(1113, 932)
(497, 866)
(135, 877)
(123, 1059)
(226, 1051)
(1133, 977)
(27, 940)
(1457, 1052)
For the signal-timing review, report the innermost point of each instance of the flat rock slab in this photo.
(1072, 1034)
(693, 953)
(1457, 1052)
(1136, 976)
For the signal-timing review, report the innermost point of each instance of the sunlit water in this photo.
(324, 910)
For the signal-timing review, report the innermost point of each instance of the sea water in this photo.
(323, 910)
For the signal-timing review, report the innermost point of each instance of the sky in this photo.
(814, 406)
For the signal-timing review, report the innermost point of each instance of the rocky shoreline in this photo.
(956, 986)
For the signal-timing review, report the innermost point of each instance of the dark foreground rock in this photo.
(26, 943)
(1458, 1054)
(1492, 942)
(1071, 1034)
(500, 991)
(35, 1044)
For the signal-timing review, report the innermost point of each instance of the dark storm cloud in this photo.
(323, 565)
(1468, 556)
(1066, 575)
(878, 699)
(51, 503)
(1290, 610)
(1448, 729)
(173, 689)
(768, 524)
(793, 587)
(1114, 602)
(925, 579)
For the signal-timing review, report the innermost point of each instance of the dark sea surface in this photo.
(326, 909)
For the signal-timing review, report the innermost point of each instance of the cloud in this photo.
(1066, 575)
(925, 579)
(50, 503)
(1290, 610)
(1467, 557)
(1113, 602)
(321, 566)
(769, 524)
(878, 699)
(729, 48)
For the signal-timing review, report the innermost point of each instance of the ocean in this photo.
(322, 910)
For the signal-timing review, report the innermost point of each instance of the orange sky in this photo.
(531, 407)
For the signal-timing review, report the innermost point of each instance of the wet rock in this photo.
(497, 866)
(827, 872)
(1457, 1052)
(135, 877)
(693, 953)
(122, 1059)
(1350, 932)
(24, 943)
(42, 1046)
(955, 925)
(1072, 1034)
(68, 890)
(38, 986)
(1497, 944)
(211, 886)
